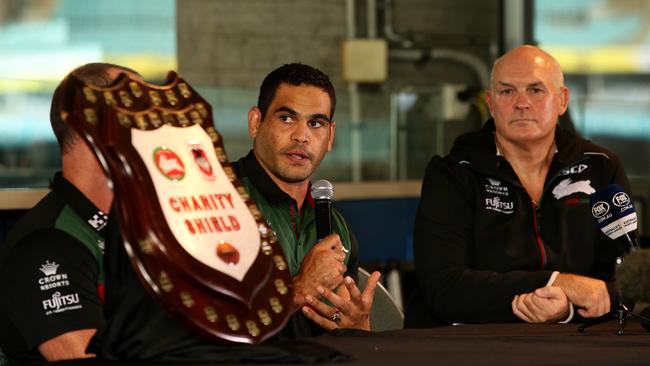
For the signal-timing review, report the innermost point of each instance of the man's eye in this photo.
(315, 124)
(286, 118)
(506, 92)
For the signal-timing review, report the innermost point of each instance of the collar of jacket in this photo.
(82, 206)
(248, 166)
(479, 149)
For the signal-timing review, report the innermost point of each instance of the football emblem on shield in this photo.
(203, 163)
(168, 163)
(227, 253)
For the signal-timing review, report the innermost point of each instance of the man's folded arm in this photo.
(67, 346)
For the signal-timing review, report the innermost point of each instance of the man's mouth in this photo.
(298, 155)
(522, 120)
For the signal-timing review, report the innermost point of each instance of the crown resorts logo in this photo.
(494, 186)
(168, 163)
(49, 268)
(52, 279)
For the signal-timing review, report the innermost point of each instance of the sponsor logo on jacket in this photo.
(566, 187)
(575, 169)
(495, 187)
(98, 221)
(498, 205)
(59, 303)
(52, 279)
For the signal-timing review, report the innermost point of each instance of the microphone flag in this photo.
(613, 211)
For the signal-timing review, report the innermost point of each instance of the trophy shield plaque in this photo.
(194, 236)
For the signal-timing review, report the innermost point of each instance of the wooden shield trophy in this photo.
(194, 236)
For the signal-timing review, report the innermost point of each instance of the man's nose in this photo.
(522, 101)
(300, 133)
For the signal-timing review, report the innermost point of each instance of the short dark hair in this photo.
(294, 74)
(96, 74)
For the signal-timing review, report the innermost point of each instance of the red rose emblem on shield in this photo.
(169, 164)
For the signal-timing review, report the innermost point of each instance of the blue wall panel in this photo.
(384, 227)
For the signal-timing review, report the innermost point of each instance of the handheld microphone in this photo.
(322, 192)
(614, 213)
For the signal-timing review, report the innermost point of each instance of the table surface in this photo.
(498, 344)
(489, 344)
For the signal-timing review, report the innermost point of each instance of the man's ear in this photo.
(564, 99)
(331, 141)
(488, 101)
(254, 120)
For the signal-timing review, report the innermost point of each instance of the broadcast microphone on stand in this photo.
(614, 213)
(322, 192)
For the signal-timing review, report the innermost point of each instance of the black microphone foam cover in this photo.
(633, 276)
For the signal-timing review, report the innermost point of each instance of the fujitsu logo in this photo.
(59, 300)
(496, 204)
(49, 268)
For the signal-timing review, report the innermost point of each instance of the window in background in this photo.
(41, 41)
(604, 49)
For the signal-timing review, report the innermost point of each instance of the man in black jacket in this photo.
(504, 229)
(51, 275)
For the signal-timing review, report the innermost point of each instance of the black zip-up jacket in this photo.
(479, 239)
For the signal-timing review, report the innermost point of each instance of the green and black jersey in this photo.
(295, 228)
(51, 276)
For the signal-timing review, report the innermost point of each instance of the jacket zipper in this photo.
(538, 236)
